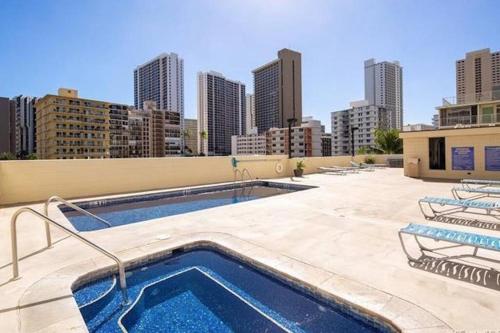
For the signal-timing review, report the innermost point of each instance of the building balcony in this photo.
(470, 120)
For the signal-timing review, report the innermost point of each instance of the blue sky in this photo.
(94, 46)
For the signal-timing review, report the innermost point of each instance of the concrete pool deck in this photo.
(340, 238)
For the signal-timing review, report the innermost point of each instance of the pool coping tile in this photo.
(43, 302)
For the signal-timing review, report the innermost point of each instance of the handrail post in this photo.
(48, 236)
(15, 259)
(13, 241)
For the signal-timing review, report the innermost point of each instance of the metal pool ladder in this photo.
(73, 206)
(47, 220)
(242, 173)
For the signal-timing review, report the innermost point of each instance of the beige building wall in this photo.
(37, 180)
(71, 127)
(478, 76)
(291, 88)
(416, 146)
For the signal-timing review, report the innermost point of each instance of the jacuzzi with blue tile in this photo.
(206, 290)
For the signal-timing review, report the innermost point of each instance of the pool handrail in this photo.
(245, 170)
(15, 259)
(55, 198)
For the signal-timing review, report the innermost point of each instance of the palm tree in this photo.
(185, 135)
(203, 136)
(388, 141)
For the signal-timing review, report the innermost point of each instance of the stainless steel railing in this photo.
(47, 220)
(73, 206)
(243, 172)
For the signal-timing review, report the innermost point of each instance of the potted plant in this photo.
(299, 170)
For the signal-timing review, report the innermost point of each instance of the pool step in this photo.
(91, 309)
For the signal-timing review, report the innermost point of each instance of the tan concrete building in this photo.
(250, 112)
(306, 141)
(71, 127)
(249, 144)
(278, 91)
(118, 130)
(172, 133)
(453, 153)
(147, 131)
(478, 77)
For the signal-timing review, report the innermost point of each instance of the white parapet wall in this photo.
(37, 180)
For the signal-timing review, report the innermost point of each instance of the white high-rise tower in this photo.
(161, 80)
(384, 88)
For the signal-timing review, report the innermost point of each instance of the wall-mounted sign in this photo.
(462, 158)
(492, 158)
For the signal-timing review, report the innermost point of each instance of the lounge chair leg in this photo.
(410, 258)
(422, 247)
(428, 217)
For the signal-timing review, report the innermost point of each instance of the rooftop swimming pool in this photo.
(204, 290)
(137, 208)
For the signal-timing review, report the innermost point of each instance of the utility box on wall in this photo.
(413, 168)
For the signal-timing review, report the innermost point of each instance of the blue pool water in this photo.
(134, 209)
(204, 290)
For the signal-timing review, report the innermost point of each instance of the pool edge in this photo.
(367, 301)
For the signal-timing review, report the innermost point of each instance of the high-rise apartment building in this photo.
(478, 77)
(278, 91)
(147, 131)
(361, 119)
(139, 133)
(251, 143)
(250, 111)
(118, 130)
(25, 124)
(306, 141)
(71, 127)
(161, 80)
(384, 88)
(173, 134)
(221, 112)
(326, 144)
(8, 133)
(190, 136)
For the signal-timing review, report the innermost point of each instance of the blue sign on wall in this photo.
(462, 158)
(492, 158)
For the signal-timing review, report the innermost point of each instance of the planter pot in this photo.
(298, 173)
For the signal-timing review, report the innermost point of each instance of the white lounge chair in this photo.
(475, 192)
(488, 208)
(363, 167)
(475, 183)
(374, 165)
(474, 241)
(338, 170)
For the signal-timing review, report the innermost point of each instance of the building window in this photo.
(437, 154)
